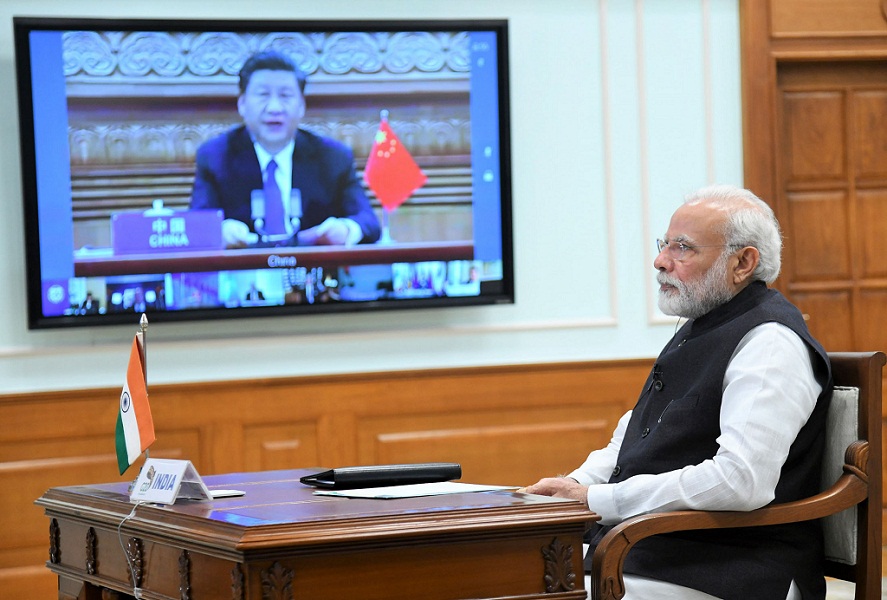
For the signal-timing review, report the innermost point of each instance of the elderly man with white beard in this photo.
(731, 417)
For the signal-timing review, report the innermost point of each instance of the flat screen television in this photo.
(143, 148)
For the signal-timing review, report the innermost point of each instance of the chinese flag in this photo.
(390, 171)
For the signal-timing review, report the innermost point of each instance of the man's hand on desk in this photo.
(236, 234)
(332, 232)
(559, 487)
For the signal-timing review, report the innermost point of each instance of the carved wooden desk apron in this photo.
(281, 542)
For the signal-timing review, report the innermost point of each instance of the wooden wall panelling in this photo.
(814, 145)
(869, 108)
(828, 315)
(832, 118)
(818, 230)
(797, 18)
(871, 204)
(504, 424)
(267, 447)
(758, 99)
(873, 304)
(814, 135)
(532, 444)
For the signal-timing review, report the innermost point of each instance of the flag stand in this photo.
(385, 238)
(143, 325)
(140, 344)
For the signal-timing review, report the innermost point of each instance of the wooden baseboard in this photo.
(505, 425)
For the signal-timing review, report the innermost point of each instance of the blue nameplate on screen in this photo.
(170, 231)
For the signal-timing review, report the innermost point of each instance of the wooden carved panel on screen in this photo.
(832, 173)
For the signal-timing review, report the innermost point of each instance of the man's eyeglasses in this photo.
(680, 250)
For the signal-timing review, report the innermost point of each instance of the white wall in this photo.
(619, 108)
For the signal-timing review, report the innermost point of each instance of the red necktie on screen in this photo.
(274, 217)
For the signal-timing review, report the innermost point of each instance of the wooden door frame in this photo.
(759, 134)
(761, 52)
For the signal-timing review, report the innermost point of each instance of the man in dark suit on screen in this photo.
(278, 184)
(89, 306)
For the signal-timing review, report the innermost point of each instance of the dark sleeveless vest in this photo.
(675, 423)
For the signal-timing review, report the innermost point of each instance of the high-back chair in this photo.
(850, 505)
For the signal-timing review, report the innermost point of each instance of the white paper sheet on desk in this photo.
(414, 490)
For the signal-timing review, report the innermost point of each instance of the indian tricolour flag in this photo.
(135, 427)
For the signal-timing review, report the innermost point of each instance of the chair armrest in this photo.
(608, 558)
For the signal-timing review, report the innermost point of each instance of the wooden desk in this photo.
(281, 542)
(269, 258)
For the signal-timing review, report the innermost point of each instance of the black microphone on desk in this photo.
(257, 210)
(257, 214)
(295, 209)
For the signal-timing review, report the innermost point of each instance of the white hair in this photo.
(750, 222)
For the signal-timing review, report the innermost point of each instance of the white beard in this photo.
(693, 299)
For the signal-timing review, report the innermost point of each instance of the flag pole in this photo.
(143, 326)
(385, 238)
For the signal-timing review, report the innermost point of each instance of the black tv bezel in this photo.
(23, 25)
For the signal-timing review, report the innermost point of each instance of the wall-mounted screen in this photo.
(214, 169)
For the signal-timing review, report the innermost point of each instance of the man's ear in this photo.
(747, 261)
(302, 105)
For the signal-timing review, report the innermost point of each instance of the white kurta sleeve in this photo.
(769, 393)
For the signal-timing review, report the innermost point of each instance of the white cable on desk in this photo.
(136, 590)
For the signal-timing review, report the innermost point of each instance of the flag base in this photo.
(385, 238)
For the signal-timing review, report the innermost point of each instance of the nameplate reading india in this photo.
(163, 481)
